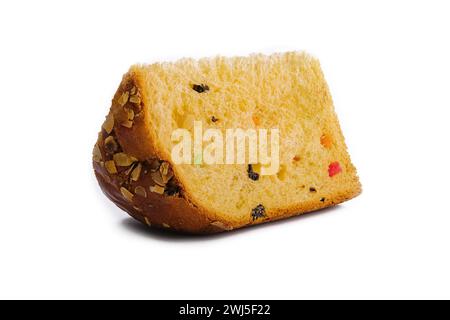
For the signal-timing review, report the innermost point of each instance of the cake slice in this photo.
(153, 154)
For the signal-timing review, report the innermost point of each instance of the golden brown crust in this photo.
(124, 158)
(139, 148)
(123, 145)
(156, 210)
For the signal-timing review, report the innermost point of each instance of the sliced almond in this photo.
(137, 209)
(111, 167)
(168, 176)
(130, 114)
(157, 178)
(99, 137)
(111, 145)
(108, 125)
(164, 168)
(133, 90)
(221, 225)
(157, 189)
(136, 173)
(123, 98)
(135, 99)
(126, 194)
(140, 191)
(97, 154)
(123, 160)
(165, 225)
(147, 221)
(128, 171)
(127, 124)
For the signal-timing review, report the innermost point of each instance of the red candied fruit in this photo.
(334, 168)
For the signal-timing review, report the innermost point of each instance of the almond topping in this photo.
(127, 124)
(221, 225)
(157, 189)
(133, 90)
(164, 168)
(128, 171)
(130, 114)
(147, 221)
(165, 225)
(97, 154)
(168, 176)
(111, 145)
(123, 98)
(123, 160)
(156, 176)
(111, 167)
(126, 194)
(140, 191)
(136, 173)
(135, 99)
(108, 125)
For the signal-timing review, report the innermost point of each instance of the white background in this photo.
(388, 68)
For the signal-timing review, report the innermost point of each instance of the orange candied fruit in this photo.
(256, 120)
(334, 168)
(326, 141)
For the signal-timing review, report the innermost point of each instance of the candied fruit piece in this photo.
(256, 120)
(326, 141)
(334, 168)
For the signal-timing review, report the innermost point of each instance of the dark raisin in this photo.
(214, 119)
(322, 199)
(200, 87)
(111, 146)
(252, 174)
(312, 189)
(258, 212)
(172, 188)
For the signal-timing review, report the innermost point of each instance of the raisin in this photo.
(200, 88)
(172, 188)
(312, 189)
(322, 200)
(258, 212)
(111, 146)
(252, 174)
(214, 119)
